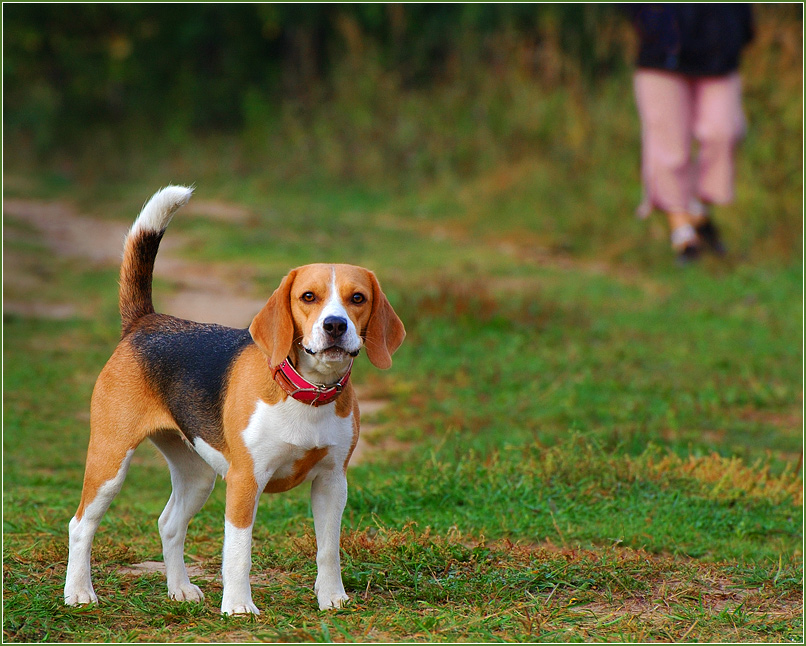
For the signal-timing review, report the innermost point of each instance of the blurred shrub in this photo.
(211, 66)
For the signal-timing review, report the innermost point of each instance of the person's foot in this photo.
(685, 241)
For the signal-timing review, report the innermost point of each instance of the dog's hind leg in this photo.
(122, 414)
(192, 481)
(105, 472)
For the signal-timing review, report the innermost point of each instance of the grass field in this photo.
(580, 442)
(585, 449)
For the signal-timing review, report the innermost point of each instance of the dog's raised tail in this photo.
(140, 250)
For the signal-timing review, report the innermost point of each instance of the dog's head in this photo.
(326, 314)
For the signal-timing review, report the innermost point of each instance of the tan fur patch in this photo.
(249, 380)
(346, 401)
(299, 471)
(123, 412)
(241, 494)
(356, 432)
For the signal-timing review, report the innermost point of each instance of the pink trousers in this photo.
(676, 111)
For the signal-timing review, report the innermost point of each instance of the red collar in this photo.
(296, 386)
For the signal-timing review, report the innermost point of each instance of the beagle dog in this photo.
(266, 408)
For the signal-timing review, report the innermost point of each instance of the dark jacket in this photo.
(700, 39)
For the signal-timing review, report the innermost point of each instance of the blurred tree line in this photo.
(68, 67)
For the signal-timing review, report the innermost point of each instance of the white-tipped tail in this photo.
(140, 250)
(159, 210)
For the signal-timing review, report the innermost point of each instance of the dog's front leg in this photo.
(328, 498)
(243, 493)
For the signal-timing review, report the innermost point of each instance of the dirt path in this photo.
(207, 292)
(201, 291)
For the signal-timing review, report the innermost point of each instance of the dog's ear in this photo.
(272, 329)
(384, 332)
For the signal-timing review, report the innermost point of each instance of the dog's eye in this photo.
(308, 297)
(358, 298)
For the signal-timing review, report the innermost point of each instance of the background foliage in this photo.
(211, 63)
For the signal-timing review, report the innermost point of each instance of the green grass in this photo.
(591, 444)
(591, 459)
(412, 585)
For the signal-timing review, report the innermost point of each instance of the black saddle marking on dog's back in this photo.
(187, 365)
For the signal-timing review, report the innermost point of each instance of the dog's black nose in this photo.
(335, 326)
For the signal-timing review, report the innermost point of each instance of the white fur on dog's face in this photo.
(317, 341)
(327, 292)
(313, 302)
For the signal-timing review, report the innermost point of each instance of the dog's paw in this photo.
(330, 601)
(80, 597)
(243, 608)
(186, 592)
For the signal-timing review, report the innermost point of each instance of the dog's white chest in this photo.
(277, 435)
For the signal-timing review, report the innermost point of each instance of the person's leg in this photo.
(664, 102)
(719, 125)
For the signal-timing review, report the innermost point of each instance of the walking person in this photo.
(687, 90)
